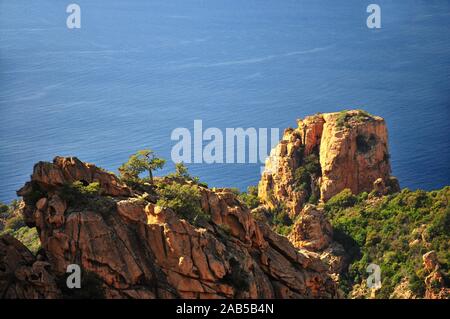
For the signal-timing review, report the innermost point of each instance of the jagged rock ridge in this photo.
(140, 250)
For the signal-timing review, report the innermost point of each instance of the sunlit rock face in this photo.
(337, 150)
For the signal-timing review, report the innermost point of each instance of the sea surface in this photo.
(137, 70)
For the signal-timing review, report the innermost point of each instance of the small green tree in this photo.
(250, 198)
(141, 161)
(182, 171)
(4, 210)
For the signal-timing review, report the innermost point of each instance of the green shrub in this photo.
(250, 198)
(282, 229)
(362, 197)
(4, 210)
(280, 222)
(306, 174)
(313, 199)
(80, 196)
(342, 200)
(138, 163)
(312, 165)
(184, 200)
(302, 179)
(417, 285)
(344, 117)
(182, 173)
(341, 120)
(14, 223)
(29, 237)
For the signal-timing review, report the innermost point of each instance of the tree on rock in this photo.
(140, 162)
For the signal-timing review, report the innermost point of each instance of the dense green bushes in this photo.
(77, 192)
(303, 175)
(3, 210)
(250, 198)
(80, 196)
(184, 199)
(306, 175)
(393, 232)
(28, 236)
(342, 200)
(344, 118)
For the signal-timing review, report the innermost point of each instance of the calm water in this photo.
(138, 69)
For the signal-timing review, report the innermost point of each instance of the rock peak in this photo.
(324, 155)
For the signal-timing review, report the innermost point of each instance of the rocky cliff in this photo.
(176, 238)
(325, 154)
(134, 248)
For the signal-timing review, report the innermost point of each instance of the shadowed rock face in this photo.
(141, 250)
(352, 151)
(21, 275)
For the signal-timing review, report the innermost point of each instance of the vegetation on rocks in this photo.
(277, 218)
(394, 232)
(348, 231)
(12, 223)
(305, 176)
(138, 163)
(182, 173)
(346, 117)
(178, 190)
(80, 196)
(250, 198)
(183, 199)
(281, 222)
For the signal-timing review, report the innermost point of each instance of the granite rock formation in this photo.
(324, 155)
(138, 249)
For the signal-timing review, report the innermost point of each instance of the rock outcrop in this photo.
(324, 155)
(138, 249)
(435, 286)
(313, 232)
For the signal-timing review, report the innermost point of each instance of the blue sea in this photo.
(136, 70)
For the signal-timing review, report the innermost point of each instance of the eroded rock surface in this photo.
(313, 232)
(435, 286)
